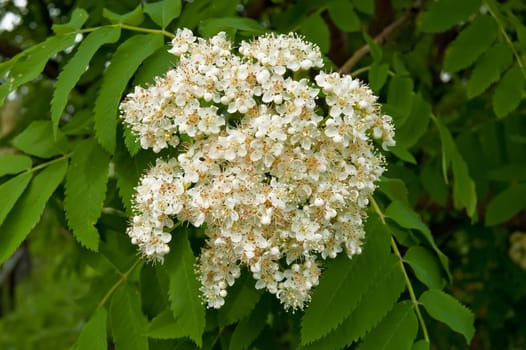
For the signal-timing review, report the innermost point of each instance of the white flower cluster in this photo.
(279, 168)
(517, 250)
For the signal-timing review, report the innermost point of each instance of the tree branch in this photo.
(379, 39)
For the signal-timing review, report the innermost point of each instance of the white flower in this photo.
(279, 169)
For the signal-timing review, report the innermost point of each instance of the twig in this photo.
(379, 39)
(124, 278)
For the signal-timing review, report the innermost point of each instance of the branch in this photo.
(379, 39)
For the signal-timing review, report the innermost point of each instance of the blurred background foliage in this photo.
(451, 73)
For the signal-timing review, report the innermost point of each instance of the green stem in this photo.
(360, 71)
(121, 280)
(132, 28)
(145, 30)
(408, 284)
(46, 164)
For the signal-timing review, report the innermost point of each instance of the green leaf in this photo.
(240, 301)
(377, 76)
(444, 14)
(128, 171)
(425, 266)
(344, 282)
(399, 99)
(80, 124)
(315, 30)
(397, 330)
(28, 64)
(124, 63)
(374, 48)
(445, 308)
(343, 15)
(470, 44)
(415, 126)
(133, 18)
(399, 65)
(10, 191)
(154, 66)
(163, 12)
(79, 16)
(394, 189)
(508, 93)
(507, 172)
(433, 183)
(407, 218)
(28, 209)
(506, 204)
(248, 329)
(13, 164)
(85, 191)
(384, 291)
(187, 308)
(127, 320)
(76, 66)
(212, 26)
(37, 139)
(93, 335)
(403, 154)
(489, 68)
(365, 6)
(464, 193)
(164, 326)
(130, 141)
